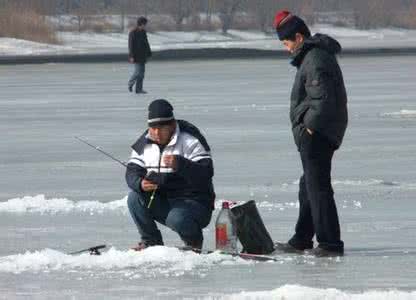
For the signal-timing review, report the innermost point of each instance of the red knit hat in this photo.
(288, 24)
(281, 17)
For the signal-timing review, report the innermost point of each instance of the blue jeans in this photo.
(138, 76)
(187, 217)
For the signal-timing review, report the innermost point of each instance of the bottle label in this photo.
(221, 235)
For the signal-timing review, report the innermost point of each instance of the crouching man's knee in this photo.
(134, 201)
(183, 225)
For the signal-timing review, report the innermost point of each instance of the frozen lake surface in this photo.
(57, 195)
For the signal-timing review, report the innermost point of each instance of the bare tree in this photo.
(264, 10)
(123, 8)
(108, 4)
(412, 15)
(207, 7)
(227, 10)
(145, 7)
(180, 10)
(374, 13)
(83, 12)
(307, 10)
(22, 21)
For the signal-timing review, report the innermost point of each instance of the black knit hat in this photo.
(160, 113)
(141, 21)
(287, 25)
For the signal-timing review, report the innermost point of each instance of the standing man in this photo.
(318, 113)
(139, 52)
(170, 176)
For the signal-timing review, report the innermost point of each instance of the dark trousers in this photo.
(138, 76)
(185, 216)
(317, 210)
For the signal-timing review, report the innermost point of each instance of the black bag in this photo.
(251, 231)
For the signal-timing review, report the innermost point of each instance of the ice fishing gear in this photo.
(151, 199)
(92, 250)
(251, 231)
(246, 256)
(102, 151)
(123, 163)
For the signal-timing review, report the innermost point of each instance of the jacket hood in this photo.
(324, 42)
(318, 40)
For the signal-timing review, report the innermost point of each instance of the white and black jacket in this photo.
(193, 176)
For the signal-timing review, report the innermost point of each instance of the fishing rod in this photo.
(114, 158)
(102, 151)
(123, 163)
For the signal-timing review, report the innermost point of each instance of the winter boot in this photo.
(287, 248)
(321, 252)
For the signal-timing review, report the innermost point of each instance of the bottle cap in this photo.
(225, 205)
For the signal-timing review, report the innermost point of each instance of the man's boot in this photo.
(287, 248)
(321, 252)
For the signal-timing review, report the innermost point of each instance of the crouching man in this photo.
(170, 176)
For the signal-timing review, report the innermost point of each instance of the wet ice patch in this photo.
(352, 182)
(298, 292)
(152, 262)
(404, 113)
(352, 203)
(369, 182)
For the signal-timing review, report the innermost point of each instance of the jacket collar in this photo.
(299, 54)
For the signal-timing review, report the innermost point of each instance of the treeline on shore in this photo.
(38, 20)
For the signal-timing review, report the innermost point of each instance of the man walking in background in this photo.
(139, 52)
(318, 113)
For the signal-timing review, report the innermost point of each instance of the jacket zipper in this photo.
(161, 149)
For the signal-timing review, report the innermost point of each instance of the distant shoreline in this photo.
(190, 54)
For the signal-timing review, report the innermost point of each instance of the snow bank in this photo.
(298, 292)
(40, 204)
(151, 262)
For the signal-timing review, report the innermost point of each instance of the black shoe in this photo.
(193, 245)
(143, 245)
(140, 246)
(321, 252)
(287, 248)
(141, 92)
(130, 89)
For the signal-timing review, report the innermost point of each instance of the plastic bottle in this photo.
(225, 231)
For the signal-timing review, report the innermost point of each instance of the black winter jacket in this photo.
(139, 48)
(318, 98)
